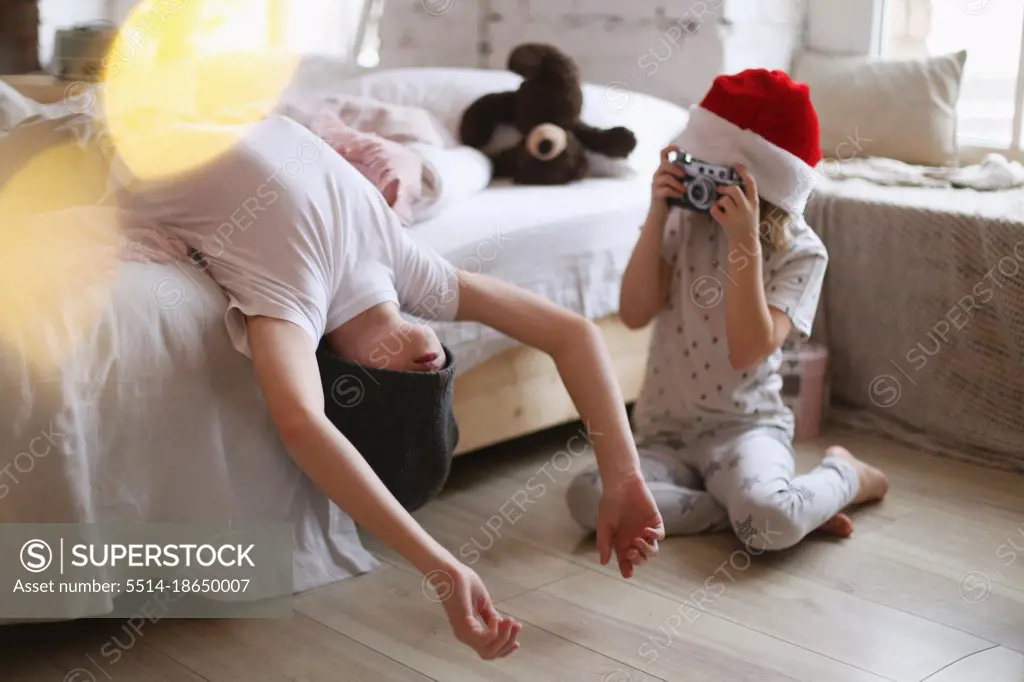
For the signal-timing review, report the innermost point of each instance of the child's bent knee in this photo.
(584, 498)
(765, 525)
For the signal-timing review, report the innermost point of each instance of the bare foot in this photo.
(873, 483)
(840, 525)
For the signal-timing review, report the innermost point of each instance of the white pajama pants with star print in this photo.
(744, 480)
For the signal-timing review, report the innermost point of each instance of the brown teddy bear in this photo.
(546, 110)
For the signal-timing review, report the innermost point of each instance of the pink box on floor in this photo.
(805, 387)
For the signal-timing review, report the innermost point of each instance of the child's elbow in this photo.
(740, 362)
(294, 424)
(633, 319)
(747, 356)
(634, 313)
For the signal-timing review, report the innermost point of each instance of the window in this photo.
(325, 27)
(990, 109)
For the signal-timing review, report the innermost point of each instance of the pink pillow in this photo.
(394, 169)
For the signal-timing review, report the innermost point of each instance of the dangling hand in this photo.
(629, 522)
(474, 620)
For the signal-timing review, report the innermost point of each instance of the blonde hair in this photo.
(774, 228)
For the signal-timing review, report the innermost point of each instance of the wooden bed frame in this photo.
(519, 392)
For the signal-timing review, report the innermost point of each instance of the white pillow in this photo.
(448, 92)
(903, 110)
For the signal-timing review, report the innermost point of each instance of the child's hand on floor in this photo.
(739, 210)
(474, 620)
(628, 520)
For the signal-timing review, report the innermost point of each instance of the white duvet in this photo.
(143, 411)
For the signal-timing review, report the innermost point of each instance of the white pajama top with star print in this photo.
(690, 386)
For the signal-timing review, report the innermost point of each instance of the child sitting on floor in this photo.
(725, 291)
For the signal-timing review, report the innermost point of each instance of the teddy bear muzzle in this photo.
(546, 141)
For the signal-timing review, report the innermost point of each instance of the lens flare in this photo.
(56, 263)
(180, 67)
(180, 85)
(56, 272)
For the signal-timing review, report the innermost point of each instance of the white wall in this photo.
(55, 14)
(668, 49)
(844, 26)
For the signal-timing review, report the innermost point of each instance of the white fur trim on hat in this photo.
(782, 178)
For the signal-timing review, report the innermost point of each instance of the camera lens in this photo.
(701, 193)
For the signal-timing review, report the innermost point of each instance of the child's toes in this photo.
(840, 525)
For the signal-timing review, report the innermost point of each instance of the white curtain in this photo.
(910, 22)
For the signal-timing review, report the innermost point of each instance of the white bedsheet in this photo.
(155, 417)
(569, 244)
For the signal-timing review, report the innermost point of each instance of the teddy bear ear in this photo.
(530, 59)
(483, 116)
(615, 142)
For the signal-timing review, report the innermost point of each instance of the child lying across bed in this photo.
(306, 249)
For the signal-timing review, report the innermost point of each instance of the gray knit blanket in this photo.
(923, 315)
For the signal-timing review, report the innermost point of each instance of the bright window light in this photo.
(990, 31)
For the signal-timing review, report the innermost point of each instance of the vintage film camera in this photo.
(702, 182)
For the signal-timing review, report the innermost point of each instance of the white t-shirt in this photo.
(691, 387)
(291, 230)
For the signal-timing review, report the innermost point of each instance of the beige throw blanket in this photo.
(994, 173)
(923, 314)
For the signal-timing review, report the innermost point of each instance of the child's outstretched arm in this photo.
(629, 521)
(285, 362)
(645, 284)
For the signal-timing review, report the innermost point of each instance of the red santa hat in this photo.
(765, 121)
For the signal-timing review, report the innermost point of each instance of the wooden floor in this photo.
(931, 587)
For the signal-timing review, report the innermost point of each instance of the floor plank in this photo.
(652, 633)
(507, 565)
(297, 649)
(984, 546)
(715, 575)
(894, 574)
(90, 650)
(415, 631)
(30, 669)
(994, 665)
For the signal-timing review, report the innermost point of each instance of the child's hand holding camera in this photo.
(667, 184)
(738, 209)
